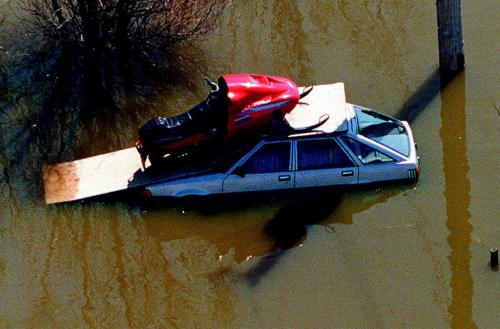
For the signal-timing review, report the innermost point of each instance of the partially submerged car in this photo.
(366, 147)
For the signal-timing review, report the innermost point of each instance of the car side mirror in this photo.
(240, 171)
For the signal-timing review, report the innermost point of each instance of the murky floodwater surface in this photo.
(411, 255)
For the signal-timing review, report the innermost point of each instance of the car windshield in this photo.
(383, 129)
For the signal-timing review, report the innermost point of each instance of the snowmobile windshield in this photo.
(383, 129)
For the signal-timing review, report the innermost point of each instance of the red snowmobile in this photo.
(237, 104)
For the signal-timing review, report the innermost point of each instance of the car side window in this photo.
(365, 153)
(321, 154)
(273, 157)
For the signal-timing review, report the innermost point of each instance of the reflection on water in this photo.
(259, 224)
(457, 193)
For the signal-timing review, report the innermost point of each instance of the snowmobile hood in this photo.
(255, 89)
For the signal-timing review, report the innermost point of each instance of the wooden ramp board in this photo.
(121, 170)
(102, 174)
(328, 99)
(92, 176)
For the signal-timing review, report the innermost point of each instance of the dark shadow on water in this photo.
(288, 229)
(424, 95)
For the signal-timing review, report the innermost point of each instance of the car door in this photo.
(322, 162)
(376, 166)
(267, 168)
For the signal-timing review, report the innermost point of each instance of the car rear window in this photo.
(383, 129)
(366, 154)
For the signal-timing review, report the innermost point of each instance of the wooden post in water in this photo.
(494, 258)
(451, 45)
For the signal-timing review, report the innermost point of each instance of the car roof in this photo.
(299, 135)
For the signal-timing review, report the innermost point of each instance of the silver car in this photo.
(368, 147)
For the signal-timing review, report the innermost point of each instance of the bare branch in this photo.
(142, 25)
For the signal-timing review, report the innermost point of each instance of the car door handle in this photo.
(283, 178)
(348, 173)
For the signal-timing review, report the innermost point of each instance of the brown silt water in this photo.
(409, 255)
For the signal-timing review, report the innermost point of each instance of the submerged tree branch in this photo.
(141, 26)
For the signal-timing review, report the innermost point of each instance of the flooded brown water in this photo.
(410, 255)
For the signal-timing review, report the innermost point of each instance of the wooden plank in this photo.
(92, 176)
(121, 170)
(105, 173)
(328, 99)
(450, 39)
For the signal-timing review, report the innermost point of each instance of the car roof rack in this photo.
(294, 135)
